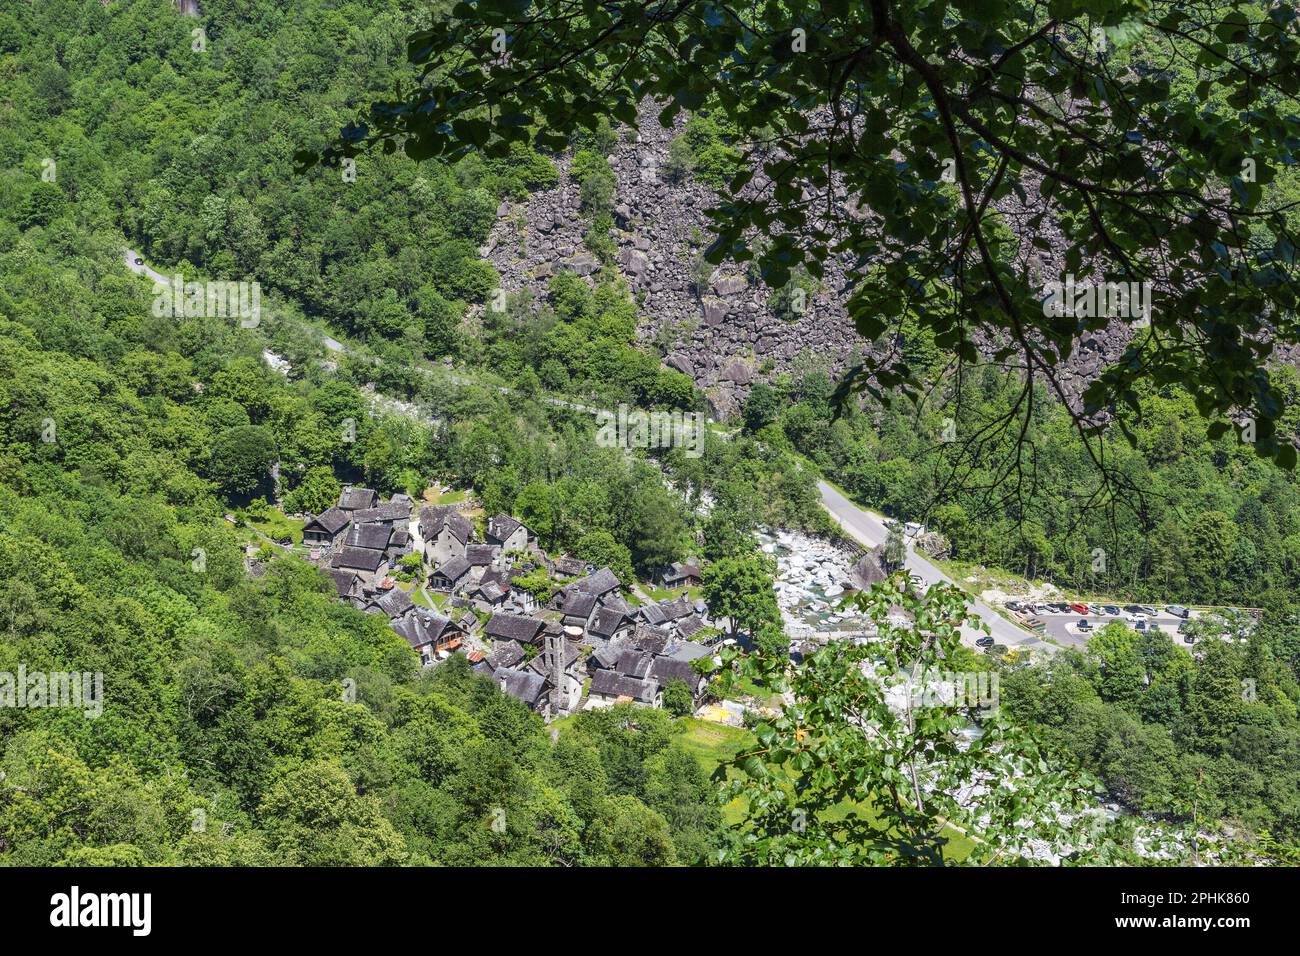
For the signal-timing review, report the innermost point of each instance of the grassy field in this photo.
(712, 744)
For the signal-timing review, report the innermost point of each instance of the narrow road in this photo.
(868, 528)
(135, 262)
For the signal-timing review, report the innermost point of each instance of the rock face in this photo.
(720, 334)
(716, 324)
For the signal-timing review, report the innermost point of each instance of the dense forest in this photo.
(257, 720)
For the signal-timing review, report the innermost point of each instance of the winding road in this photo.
(868, 529)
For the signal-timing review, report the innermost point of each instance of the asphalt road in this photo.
(141, 269)
(868, 528)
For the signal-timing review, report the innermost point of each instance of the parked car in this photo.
(1078, 607)
(1014, 605)
(1133, 608)
(139, 261)
(1084, 625)
(1110, 609)
(985, 641)
(1135, 619)
(1178, 610)
(1148, 611)
(1189, 639)
(1058, 607)
(1182, 627)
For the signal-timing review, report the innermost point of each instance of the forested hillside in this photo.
(250, 717)
(258, 720)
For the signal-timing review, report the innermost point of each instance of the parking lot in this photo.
(1063, 626)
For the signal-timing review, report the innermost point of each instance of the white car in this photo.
(1135, 618)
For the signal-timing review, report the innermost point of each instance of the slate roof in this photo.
(652, 614)
(363, 559)
(459, 527)
(687, 650)
(513, 627)
(491, 592)
(679, 571)
(569, 567)
(689, 626)
(574, 603)
(616, 603)
(332, 521)
(395, 602)
(652, 639)
(500, 527)
(676, 610)
(390, 511)
(506, 654)
(453, 570)
(373, 536)
(598, 582)
(634, 663)
(422, 628)
(605, 657)
(480, 554)
(432, 518)
(353, 498)
(614, 684)
(524, 685)
(495, 576)
(571, 655)
(606, 622)
(344, 581)
(667, 668)
(414, 634)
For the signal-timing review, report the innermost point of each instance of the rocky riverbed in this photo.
(812, 580)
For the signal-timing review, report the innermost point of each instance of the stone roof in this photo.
(395, 602)
(573, 602)
(453, 570)
(373, 536)
(353, 498)
(513, 627)
(614, 684)
(598, 582)
(668, 668)
(523, 685)
(363, 559)
(332, 521)
(344, 581)
(502, 526)
(389, 511)
(606, 622)
(506, 654)
(689, 626)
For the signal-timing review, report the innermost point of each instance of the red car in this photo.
(1079, 608)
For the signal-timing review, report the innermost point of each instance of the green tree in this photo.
(740, 589)
(240, 460)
